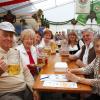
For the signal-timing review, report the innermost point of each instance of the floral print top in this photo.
(94, 68)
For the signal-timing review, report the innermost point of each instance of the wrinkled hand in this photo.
(74, 71)
(36, 95)
(72, 77)
(80, 63)
(3, 66)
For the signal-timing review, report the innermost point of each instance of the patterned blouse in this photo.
(94, 68)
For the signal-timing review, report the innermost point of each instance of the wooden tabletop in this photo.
(49, 69)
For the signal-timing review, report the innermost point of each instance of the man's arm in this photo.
(75, 56)
(80, 63)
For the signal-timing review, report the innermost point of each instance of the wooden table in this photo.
(49, 69)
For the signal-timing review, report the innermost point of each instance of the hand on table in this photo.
(72, 77)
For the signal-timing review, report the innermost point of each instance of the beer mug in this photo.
(59, 44)
(53, 47)
(42, 59)
(13, 64)
(47, 50)
(13, 69)
(64, 51)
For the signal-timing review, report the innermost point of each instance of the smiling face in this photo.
(72, 37)
(47, 36)
(28, 41)
(87, 37)
(36, 39)
(27, 36)
(6, 40)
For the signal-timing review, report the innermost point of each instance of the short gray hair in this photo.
(27, 32)
(89, 30)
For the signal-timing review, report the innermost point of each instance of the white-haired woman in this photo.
(27, 50)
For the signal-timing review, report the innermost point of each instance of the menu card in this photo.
(53, 77)
(60, 84)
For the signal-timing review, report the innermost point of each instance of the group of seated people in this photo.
(18, 86)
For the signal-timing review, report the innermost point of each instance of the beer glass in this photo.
(13, 63)
(47, 50)
(53, 47)
(59, 44)
(64, 51)
(42, 59)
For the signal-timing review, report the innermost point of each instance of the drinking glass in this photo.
(13, 63)
(47, 50)
(59, 44)
(43, 59)
(64, 51)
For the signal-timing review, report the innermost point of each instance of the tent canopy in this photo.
(54, 10)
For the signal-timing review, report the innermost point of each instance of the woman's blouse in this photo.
(76, 47)
(94, 68)
(73, 49)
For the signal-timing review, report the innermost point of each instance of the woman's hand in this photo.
(72, 77)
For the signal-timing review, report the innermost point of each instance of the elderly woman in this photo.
(27, 50)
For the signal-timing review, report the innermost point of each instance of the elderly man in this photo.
(87, 54)
(15, 80)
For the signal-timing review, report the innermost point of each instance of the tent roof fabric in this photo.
(28, 7)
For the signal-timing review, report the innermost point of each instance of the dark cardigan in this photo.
(91, 55)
